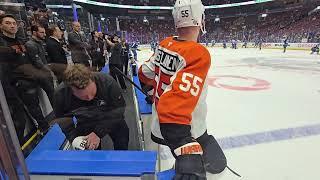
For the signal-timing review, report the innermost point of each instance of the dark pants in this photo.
(40, 77)
(98, 62)
(116, 75)
(80, 56)
(284, 48)
(119, 132)
(135, 55)
(125, 60)
(29, 94)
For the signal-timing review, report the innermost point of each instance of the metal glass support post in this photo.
(12, 160)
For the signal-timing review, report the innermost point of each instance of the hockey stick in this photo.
(148, 98)
(135, 85)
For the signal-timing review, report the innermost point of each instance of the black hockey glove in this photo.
(149, 99)
(214, 159)
(189, 162)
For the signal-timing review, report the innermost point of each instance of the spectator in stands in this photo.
(98, 105)
(43, 19)
(56, 51)
(37, 56)
(115, 62)
(25, 76)
(78, 45)
(97, 50)
(12, 54)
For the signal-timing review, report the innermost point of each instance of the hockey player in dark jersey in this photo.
(256, 42)
(260, 41)
(224, 44)
(213, 42)
(315, 49)
(285, 44)
(207, 42)
(234, 43)
(154, 45)
(245, 44)
(134, 49)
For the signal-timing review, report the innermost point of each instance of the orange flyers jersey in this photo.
(178, 72)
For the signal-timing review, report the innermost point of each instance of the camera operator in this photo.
(116, 61)
(97, 50)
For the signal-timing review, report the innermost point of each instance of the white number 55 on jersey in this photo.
(193, 87)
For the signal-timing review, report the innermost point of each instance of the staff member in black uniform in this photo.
(98, 105)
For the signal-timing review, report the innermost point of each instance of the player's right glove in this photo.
(189, 162)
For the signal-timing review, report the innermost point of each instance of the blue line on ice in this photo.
(269, 136)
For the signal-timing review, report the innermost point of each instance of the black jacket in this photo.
(9, 59)
(97, 56)
(36, 53)
(78, 47)
(56, 54)
(125, 50)
(104, 111)
(116, 54)
(8, 52)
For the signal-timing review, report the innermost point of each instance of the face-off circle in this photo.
(252, 84)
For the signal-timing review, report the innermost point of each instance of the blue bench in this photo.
(144, 107)
(48, 159)
(166, 175)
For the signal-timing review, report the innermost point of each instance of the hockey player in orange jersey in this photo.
(178, 74)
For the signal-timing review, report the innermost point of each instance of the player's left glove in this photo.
(189, 162)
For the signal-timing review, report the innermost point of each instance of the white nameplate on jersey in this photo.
(167, 61)
(190, 148)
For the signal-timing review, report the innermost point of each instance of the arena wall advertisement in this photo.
(292, 46)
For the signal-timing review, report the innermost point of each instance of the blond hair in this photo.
(77, 76)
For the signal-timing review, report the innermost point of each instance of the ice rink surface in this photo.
(264, 109)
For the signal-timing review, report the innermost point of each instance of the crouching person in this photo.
(89, 106)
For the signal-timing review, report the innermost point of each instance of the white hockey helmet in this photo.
(79, 143)
(188, 13)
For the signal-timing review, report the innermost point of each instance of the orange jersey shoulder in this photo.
(189, 50)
